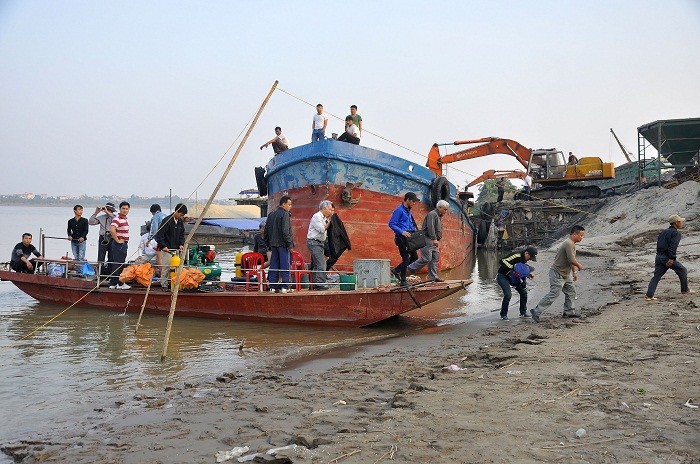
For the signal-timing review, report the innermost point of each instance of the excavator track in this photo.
(554, 192)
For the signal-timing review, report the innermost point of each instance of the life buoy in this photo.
(261, 181)
(439, 190)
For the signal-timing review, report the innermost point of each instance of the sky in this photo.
(140, 97)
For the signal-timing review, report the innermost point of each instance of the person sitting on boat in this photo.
(280, 240)
(119, 246)
(430, 253)
(20, 262)
(279, 142)
(316, 238)
(403, 225)
(147, 247)
(171, 239)
(104, 220)
(351, 134)
(356, 118)
(319, 124)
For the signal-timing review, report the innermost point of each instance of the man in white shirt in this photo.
(147, 247)
(319, 124)
(528, 186)
(315, 241)
(279, 142)
(351, 134)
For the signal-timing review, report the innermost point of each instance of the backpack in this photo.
(519, 273)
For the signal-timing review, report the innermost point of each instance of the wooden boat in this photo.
(365, 185)
(338, 308)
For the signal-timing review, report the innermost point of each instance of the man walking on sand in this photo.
(666, 246)
(562, 276)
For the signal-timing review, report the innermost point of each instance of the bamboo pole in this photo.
(173, 302)
(143, 306)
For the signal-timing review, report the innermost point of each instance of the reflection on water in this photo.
(88, 358)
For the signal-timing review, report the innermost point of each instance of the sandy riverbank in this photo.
(627, 373)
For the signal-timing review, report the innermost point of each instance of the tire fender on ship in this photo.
(261, 181)
(439, 190)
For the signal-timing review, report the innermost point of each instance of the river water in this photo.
(87, 358)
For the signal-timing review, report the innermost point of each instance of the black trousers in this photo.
(407, 257)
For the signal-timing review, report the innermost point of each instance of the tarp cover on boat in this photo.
(676, 139)
(238, 223)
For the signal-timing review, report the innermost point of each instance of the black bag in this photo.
(416, 241)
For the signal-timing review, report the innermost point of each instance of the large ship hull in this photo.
(366, 186)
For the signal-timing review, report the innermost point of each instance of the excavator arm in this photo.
(494, 174)
(490, 146)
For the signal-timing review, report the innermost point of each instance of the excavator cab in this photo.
(547, 164)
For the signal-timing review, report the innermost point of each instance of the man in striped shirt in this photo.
(119, 246)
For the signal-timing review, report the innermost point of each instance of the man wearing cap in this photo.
(403, 225)
(105, 221)
(503, 278)
(666, 247)
(562, 276)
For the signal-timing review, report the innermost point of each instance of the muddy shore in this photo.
(618, 385)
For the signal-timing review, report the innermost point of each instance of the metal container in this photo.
(371, 273)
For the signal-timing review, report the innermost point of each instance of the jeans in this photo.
(406, 257)
(660, 269)
(430, 255)
(345, 137)
(504, 282)
(318, 134)
(318, 262)
(117, 256)
(279, 267)
(78, 249)
(556, 284)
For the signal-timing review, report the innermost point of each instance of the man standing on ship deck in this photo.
(319, 124)
(316, 239)
(119, 246)
(171, 238)
(279, 238)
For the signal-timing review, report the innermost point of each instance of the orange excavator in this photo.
(547, 167)
(494, 174)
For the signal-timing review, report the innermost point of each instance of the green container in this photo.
(347, 282)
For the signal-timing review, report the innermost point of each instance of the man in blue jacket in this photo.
(666, 247)
(403, 225)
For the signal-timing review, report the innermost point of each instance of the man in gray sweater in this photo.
(430, 253)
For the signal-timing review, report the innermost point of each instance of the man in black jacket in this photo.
(666, 247)
(278, 236)
(170, 239)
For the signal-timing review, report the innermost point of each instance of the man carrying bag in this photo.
(403, 225)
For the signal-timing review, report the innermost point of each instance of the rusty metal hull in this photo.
(366, 186)
(328, 308)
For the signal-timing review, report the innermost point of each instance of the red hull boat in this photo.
(355, 308)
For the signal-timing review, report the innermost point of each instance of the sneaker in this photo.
(124, 287)
(113, 287)
(272, 290)
(534, 316)
(571, 313)
(284, 290)
(525, 314)
(438, 279)
(651, 298)
(689, 292)
(504, 318)
(403, 284)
